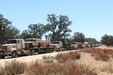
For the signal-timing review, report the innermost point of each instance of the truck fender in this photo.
(13, 49)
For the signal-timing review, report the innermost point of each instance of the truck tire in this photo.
(31, 52)
(14, 54)
(2, 56)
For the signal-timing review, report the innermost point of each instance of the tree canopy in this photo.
(93, 40)
(34, 31)
(78, 37)
(107, 40)
(7, 31)
(58, 26)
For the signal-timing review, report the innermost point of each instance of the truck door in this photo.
(19, 44)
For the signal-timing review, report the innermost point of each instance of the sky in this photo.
(93, 18)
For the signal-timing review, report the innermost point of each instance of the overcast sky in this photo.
(94, 18)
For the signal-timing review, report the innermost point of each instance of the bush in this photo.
(99, 54)
(67, 56)
(108, 68)
(109, 52)
(107, 40)
(48, 59)
(12, 68)
(37, 69)
(67, 68)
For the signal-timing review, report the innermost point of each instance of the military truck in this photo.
(57, 45)
(13, 47)
(37, 45)
(76, 45)
(16, 47)
(88, 44)
(34, 42)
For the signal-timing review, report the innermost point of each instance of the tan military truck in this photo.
(36, 42)
(30, 46)
(57, 45)
(88, 44)
(13, 47)
(74, 45)
(37, 45)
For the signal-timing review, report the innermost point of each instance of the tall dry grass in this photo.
(108, 68)
(12, 68)
(66, 68)
(99, 54)
(67, 56)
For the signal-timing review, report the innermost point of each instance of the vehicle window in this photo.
(73, 43)
(29, 40)
(11, 41)
(56, 42)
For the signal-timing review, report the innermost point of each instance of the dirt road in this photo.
(29, 59)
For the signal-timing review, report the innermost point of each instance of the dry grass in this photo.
(108, 68)
(67, 68)
(48, 59)
(109, 52)
(67, 56)
(65, 65)
(12, 68)
(99, 54)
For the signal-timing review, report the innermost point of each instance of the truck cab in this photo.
(12, 47)
(57, 45)
(76, 45)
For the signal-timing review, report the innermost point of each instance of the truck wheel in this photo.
(2, 56)
(31, 52)
(14, 54)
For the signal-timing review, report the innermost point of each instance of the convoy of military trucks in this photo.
(31, 46)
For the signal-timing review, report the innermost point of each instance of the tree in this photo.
(93, 40)
(78, 37)
(25, 34)
(52, 25)
(58, 25)
(64, 23)
(7, 31)
(34, 31)
(107, 40)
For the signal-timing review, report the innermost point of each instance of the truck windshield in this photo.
(74, 43)
(29, 40)
(11, 41)
(56, 42)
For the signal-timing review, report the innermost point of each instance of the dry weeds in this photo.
(99, 54)
(67, 56)
(67, 68)
(12, 68)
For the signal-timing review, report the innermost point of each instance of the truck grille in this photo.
(4, 47)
